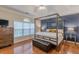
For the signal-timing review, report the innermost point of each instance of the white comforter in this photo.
(51, 35)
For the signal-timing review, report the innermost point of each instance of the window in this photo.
(32, 28)
(17, 29)
(26, 28)
(23, 28)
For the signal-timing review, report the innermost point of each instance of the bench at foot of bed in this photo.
(44, 45)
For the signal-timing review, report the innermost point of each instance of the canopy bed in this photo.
(48, 35)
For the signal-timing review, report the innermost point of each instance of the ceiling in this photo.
(31, 9)
(51, 9)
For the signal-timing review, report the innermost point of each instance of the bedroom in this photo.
(46, 23)
(68, 15)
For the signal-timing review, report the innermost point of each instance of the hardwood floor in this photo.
(64, 48)
(24, 47)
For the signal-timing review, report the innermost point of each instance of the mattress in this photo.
(51, 35)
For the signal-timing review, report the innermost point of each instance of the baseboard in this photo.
(21, 39)
(72, 42)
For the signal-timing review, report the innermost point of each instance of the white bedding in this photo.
(51, 35)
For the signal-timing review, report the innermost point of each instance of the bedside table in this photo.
(71, 35)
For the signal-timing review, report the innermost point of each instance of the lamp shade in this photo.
(70, 29)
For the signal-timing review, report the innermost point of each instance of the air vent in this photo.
(30, 14)
(27, 13)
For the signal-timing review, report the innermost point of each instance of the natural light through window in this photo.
(23, 28)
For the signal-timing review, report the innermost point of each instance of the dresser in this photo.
(6, 36)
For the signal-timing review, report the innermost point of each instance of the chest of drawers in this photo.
(6, 37)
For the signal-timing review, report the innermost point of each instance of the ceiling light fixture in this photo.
(42, 7)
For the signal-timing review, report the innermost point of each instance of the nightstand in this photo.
(71, 35)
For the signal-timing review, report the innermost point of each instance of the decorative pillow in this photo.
(51, 30)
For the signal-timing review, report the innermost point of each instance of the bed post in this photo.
(57, 28)
(35, 28)
(63, 30)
